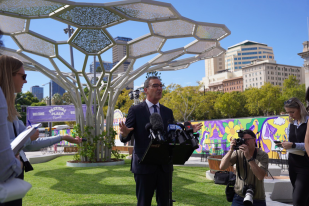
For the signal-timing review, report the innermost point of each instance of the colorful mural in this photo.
(215, 135)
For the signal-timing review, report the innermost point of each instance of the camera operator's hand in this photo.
(245, 149)
(232, 144)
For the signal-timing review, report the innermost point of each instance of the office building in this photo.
(107, 66)
(221, 68)
(37, 92)
(305, 56)
(120, 51)
(55, 88)
(241, 54)
(259, 72)
(233, 84)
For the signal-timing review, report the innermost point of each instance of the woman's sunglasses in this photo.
(24, 76)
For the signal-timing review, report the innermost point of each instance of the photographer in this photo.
(252, 164)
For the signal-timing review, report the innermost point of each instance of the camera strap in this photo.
(244, 165)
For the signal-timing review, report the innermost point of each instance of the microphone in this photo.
(171, 129)
(157, 126)
(183, 131)
(189, 131)
(148, 127)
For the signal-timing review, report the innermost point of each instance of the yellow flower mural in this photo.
(231, 130)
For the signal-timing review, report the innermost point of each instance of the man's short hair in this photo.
(250, 132)
(146, 83)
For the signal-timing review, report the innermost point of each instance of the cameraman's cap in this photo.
(250, 132)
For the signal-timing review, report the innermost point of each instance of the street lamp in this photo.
(70, 31)
(49, 123)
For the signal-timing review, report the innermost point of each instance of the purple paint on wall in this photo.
(57, 113)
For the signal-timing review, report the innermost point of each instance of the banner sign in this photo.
(57, 113)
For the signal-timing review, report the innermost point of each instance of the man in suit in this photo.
(148, 177)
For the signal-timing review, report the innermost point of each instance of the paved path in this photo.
(192, 162)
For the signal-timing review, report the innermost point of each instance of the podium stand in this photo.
(167, 154)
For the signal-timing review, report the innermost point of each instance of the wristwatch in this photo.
(293, 145)
(250, 159)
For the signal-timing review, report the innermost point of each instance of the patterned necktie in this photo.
(155, 108)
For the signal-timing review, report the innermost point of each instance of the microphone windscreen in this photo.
(186, 123)
(156, 121)
(181, 125)
(148, 126)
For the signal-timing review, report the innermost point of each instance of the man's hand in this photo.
(197, 127)
(232, 144)
(35, 135)
(124, 130)
(287, 145)
(244, 148)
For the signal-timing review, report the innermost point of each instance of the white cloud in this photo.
(279, 121)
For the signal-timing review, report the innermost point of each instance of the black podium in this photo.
(167, 153)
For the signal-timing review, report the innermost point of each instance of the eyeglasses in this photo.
(290, 102)
(24, 76)
(157, 85)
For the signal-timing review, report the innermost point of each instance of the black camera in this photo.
(248, 192)
(240, 141)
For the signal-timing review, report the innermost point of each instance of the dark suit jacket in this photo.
(138, 117)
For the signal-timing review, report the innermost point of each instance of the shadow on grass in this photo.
(111, 180)
(102, 204)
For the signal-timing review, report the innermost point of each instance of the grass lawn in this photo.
(53, 183)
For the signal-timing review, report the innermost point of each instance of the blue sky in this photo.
(281, 24)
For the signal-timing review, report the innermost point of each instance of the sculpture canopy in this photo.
(92, 38)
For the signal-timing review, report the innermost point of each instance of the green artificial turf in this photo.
(53, 183)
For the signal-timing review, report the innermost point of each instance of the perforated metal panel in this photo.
(36, 45)
(92, 40)
(168, 57)
(29, 7)
(11, 25)
(173, 28)
(145, 46)
(209, 32)
(200, 47)
(90, 16)
(145, 11)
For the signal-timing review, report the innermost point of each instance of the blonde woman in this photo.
(12, 79)
(298, 165)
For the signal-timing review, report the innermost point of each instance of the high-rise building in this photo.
(120, 51)
(259, 72)
(241, 54)
(305, 56)
(55, 88)
(37, 92)
(107, 66)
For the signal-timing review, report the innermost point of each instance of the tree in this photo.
(39, 104)
(124, 102)
(291, 88)
(182, 100)
(253, 98)
(99, 69)
(66, 99)
(154, 73)
(205, 109)
(228, 104)
(22, 100)
(57, 99)
(270, 99)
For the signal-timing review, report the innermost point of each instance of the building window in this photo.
(251, 48)
(239, 58)
(235, 58)
(260, 78)
(260, 57)
(264, 56)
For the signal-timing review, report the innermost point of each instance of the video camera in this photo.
(240, 141)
